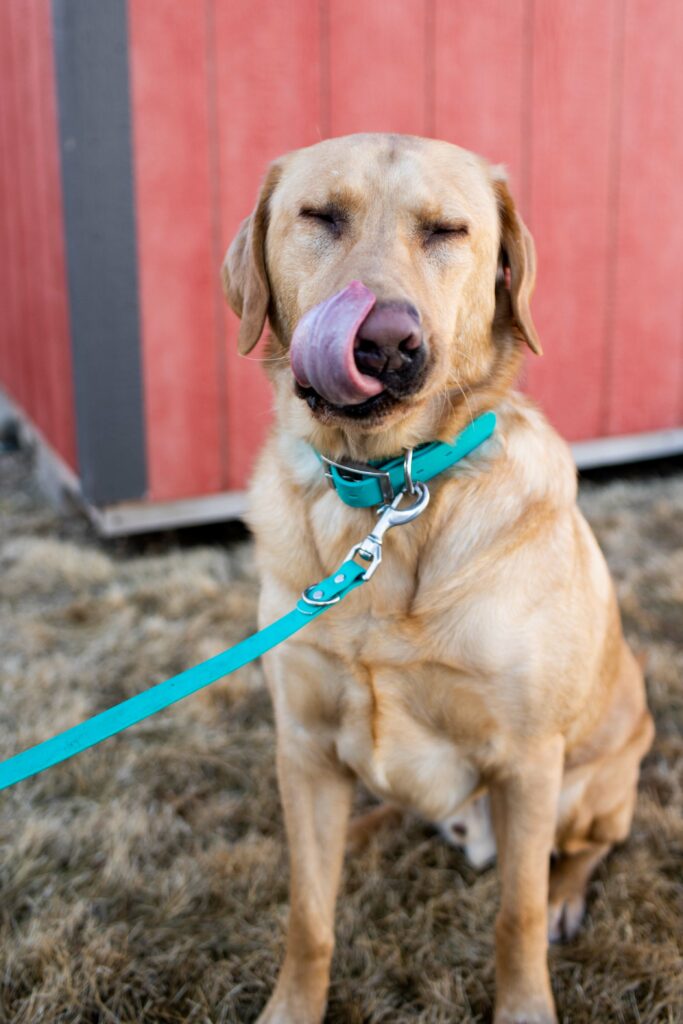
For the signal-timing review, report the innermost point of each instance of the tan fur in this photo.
(487, 650)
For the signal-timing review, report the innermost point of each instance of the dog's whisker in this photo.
(267, 359)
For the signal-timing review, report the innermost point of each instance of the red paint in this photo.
(51, 260)
(379, 56)
(8, 375)
(16, 268)
(480, 102)
(28, 218)
(645, 382)
(268, 101)
(176, 259)
(581, 101)
(572, 120)
(35, 356)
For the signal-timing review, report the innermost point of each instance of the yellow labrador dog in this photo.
(482, 674)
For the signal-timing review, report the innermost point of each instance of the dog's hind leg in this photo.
(602, 817)
(576, 861)
(364, 826)
(569, 876)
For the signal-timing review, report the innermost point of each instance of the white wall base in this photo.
(614, 451)
(144, 517)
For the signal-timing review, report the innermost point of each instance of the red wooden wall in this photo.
(582, 101)
(35, 355)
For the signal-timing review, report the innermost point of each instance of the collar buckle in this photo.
(353, 471)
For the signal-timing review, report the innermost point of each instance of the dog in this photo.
(481, 679)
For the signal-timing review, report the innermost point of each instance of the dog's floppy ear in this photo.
(517, 265)
(244, 274)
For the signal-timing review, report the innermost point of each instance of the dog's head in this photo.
(396, 276)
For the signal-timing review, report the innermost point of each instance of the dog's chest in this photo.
(399, 756)
(406, 693)
(414, 729)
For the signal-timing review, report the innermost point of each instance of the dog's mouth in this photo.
(355, 357)
(396, 393)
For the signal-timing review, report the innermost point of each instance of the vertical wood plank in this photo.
(573, 109)
(379, 51)
(7, 277)
(268, 101)
(646, 344)
(17, 313)
(57, 363)
(35, 353)
(34, 339)
(29, 233)
(177, 272)
(479, 80)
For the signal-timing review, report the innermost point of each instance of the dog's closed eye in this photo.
(330, 217)
(444, 231)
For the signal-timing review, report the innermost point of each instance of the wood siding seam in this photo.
(217, 247)
(527, 111)
(430, 71)
(325, 81)
(610, 270)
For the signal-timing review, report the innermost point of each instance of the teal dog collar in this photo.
(366, 485)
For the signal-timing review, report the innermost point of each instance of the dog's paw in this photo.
(294, 1003)
(531, 1015)
(564, 918)
(521, 1007)
(277, 1012)
(526, 1018)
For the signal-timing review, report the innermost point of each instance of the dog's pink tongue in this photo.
(322, 346)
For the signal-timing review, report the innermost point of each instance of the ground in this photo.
(146, 880)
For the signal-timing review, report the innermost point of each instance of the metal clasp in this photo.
(370, 549)
(355, 471)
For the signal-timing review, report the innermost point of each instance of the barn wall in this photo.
(167, 122)
(559, 93)
(35, 348)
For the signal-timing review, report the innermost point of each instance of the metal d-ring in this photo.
(318, 602)
(408, 470)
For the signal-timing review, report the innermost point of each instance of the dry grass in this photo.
(147, 881)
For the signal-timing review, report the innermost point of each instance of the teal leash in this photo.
(114, 720)
(400, 476)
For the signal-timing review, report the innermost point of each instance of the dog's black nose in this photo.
(389, 340)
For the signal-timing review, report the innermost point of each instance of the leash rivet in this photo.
(317, 594)
(339, 578)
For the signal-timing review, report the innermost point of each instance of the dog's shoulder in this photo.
(536, 458)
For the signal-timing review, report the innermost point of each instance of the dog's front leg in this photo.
(316, 797)
(524, 805)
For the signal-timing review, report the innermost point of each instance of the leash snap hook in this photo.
(370, 548)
